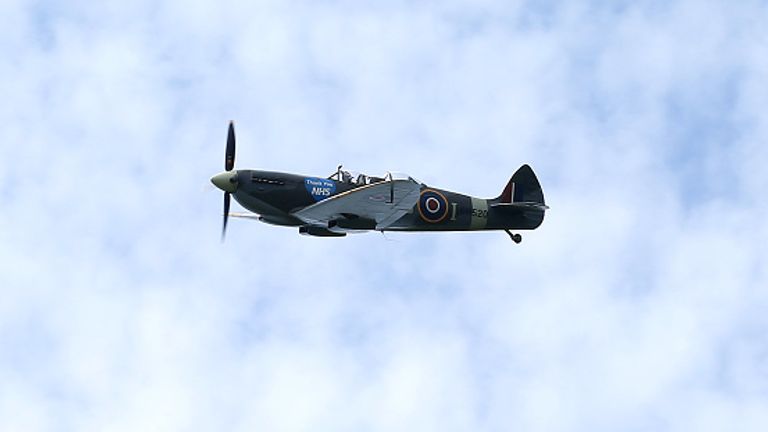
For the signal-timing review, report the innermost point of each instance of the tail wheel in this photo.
(517, 238)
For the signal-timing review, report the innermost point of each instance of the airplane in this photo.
(343, 203)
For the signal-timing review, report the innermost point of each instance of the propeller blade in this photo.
(229, 157)
(229, 163)
(226, 215)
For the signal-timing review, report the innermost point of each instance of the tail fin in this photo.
(523, 187)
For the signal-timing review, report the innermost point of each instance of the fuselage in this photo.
(276, 195)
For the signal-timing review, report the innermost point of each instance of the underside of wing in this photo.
(282, 220)
(383, 202)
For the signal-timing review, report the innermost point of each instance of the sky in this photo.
(638, 305)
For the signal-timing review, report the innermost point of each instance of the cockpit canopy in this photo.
(359, 179)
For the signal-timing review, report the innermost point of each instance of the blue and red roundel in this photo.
(433, 207)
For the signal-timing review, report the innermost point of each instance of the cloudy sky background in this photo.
(639, 305)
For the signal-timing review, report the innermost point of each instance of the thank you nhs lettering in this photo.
(319, 188)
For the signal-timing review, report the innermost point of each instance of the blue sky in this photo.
(637, 306)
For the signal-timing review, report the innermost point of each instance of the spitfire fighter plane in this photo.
(342, 203)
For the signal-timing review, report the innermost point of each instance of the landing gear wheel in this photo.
(517, 238)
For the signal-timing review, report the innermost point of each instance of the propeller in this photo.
(229, 157)
(227, 181)
(226, 215)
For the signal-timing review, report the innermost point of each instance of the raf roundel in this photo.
(433, 207)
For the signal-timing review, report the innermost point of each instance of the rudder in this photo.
(523, 187)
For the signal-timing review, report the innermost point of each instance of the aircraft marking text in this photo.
(319, 188)
(479, 214)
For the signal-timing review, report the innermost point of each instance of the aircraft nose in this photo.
(226, 181)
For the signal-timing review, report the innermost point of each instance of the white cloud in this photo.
(636, 306)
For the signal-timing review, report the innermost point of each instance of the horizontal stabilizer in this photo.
(525, 205)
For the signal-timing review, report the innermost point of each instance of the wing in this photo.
(384, 202)
(245, 216)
